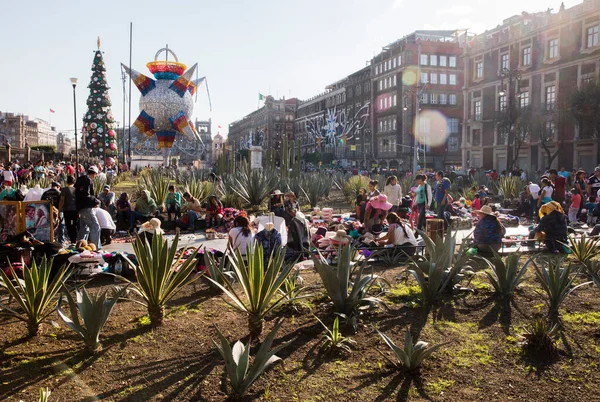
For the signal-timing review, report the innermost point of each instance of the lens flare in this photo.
(432, 129)
(409, 77)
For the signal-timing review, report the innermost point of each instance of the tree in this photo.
(100, 138)
(585, 109)
(521, 121)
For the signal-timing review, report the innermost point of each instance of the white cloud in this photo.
(398, 3)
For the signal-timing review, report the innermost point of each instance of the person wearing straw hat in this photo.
(552, 228)
(276, 204)
(376, 211)
(489, 231)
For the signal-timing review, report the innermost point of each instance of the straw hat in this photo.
(487, 210)
(276, 192)
(381, 203)
(152, 226)
(341, 237)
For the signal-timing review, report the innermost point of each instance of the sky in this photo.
(272, 47)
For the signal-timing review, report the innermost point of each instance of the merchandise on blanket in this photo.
(127, 262)
(201, 265)
(82, 245)
(327, 214)
(90, 269)
(86, 257)
(509, 220)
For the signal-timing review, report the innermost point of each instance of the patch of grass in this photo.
(439, 386)
(403, 294)
(579, 320)
(129, 390)
(144, 320)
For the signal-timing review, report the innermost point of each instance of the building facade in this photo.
(520, 77)
(218, 145)
(419, 74)
(265, 126)
(21, 129)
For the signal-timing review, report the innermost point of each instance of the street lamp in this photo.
(511, 76)
(74, 83)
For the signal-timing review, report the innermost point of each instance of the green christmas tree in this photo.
(100, 138)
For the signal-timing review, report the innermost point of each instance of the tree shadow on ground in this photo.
(401, 378)
(501, 312)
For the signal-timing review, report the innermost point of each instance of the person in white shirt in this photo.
(399, 234)
(241, 236)
(533, 191)
(393, 191)
(107, 226)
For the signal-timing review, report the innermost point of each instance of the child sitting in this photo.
(173, 203)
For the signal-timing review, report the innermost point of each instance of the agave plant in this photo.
(541, 336)
(334, 340)
(353, 185)
(556, 281)
(94, 311)
(347, 301)
(35, 293)
(254, 186)
(593, 270)
(441, 270)
(216, 272)
(237, 360)
(99, 182)
(413, 355)
(159, 274)
(260, 282)
(199, 189)
(510, 187)
(505, 274)
(44, 395)
(584, 248)
(315, 188)
(293, 288)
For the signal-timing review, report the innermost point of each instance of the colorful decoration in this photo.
(100, 139)
(166, 103)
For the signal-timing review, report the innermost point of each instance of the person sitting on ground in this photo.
(552, 228)
(107, 198)
(270, 239)
(399, 234)
(107, 226)
(123, 211)
(193, 210)
(276, 204)
(214, 211)
(376, 211)
(291, 207)
(145, 209)
(361, 204)
(173, 203)
(489, 231)
(241, 236)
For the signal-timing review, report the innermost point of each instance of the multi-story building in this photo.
(318, 118)
(426, 65)
(358, 107)
(63, 144)
(217, 147)
(21, 129)
(266, 125)
(520, 77)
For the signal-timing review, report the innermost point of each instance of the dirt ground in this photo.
(178, 362)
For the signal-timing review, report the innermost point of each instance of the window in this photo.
(443, 99)
(395, 99)
(434, 99)
(592, 36)
(524, 102)
(550, 129)
(453, 143)
(443, 79)
(433, 60)
(394, 62)
(385, 103)
(443, 61)
(394, 123)
(380, 104)
(550, 97)
(424, 98)
(504, 64)
(587, 80)
(385, 125)
(433, 78)
(399, 60)
(527, 56)
(424, 125)
(381, 85)
(553, 48)
(476, 137)
(477, 110)
(452, 79)
(452, 99)
(367, 86)
(394, 80)
(385, 81)
(380, 125)
(502, 102)
(376, 70)
(357, 90)
(452, 61)
(479, 69)
(423, 78)
(424, 59)
(452, 126)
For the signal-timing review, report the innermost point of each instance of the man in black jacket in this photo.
(85, 201)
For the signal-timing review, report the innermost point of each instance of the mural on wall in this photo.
(335, 124)
(254, 138)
